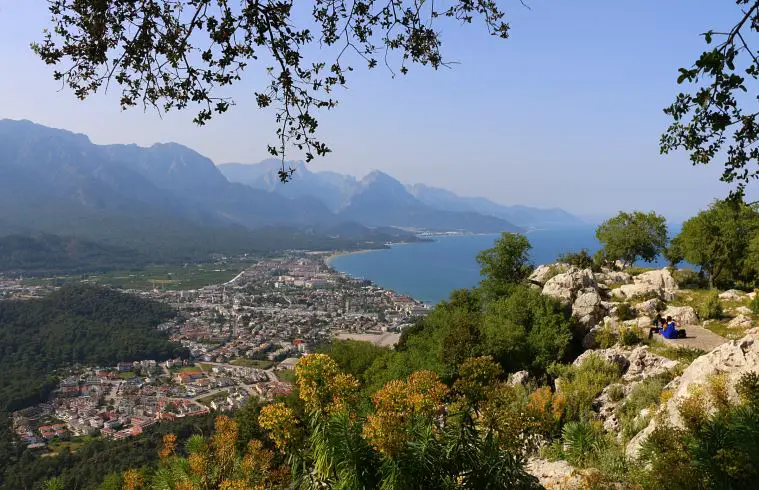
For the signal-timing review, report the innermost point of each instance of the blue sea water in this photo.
(430, 271)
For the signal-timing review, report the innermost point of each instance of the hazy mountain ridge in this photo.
(339, 191)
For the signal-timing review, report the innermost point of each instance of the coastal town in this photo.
(244, 338)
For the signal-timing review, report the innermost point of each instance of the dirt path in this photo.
(698, 338)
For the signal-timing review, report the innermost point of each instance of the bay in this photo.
(430, 271)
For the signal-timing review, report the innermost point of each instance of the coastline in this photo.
(329, 258)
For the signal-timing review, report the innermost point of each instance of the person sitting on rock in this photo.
(671, 331)
(658, 325)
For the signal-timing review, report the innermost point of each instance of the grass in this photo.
(127, 375)
(57, 446)
(697, 298)
(682, 354)
(205, 367)
(167, 277)
(254, 363)
(646, 394)
(287, 375)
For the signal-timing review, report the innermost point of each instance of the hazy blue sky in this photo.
(567, 112)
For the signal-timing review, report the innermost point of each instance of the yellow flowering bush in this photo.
(387, 429)
(322, 386)
(280, 423)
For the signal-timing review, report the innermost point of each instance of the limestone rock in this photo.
(519, 378)
(743, 310)
(587, 307)
(731, 295)
(644, 364)
(644, 323)
(733, 358)
(590, 341)
(648, 308)
(741, 321)
(565, 286)
(629, 291)
(542, 273)
(661, 279)
(616, 354)
(558, 475)
(608, 276)
(684, 315)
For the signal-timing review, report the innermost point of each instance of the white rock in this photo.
(660, 279)
(587, 307)
(543, 272)
(635, 290)
(558, 474)
(743, 310)
(733, 358)
(644, 323)
(519, 378)
(648, 308)
(644, 364)
(564, 287)
(683, 315)
(741, 321)
(731, 295)
(612, 277)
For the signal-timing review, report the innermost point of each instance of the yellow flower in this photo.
(169, 446)
(279, 421)
(132, 480)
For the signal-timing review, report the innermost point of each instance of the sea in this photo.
(429, 271)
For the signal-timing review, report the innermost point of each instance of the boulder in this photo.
(731, 295)
(543, 273)
(743, 310)
(587, 307)
(628, 291)
(519, 378)
(683, 315)
(565, 286)
(644, 364)
(615, 354)
(558, 474)
(644, 323)
(648, 308)
(660, 279)
(733, 358)
(741, 321)
(612, 277)
(590, 341)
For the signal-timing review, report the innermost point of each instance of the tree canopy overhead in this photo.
(172, 54)
(717, 118)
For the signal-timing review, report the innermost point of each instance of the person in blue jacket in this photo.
(671, 331)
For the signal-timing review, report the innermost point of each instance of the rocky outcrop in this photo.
(658, 282)
(741, 321)
(609, 277)
(588, 307)
(648, 308)
(543, 273)
(731, 295)
(733, 359)
(683, 315)
(565, 286)
(558, 475)
(519, 378)
(635, 364)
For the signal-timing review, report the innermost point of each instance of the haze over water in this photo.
(430, 271)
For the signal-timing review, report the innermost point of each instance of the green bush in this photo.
(582, 384)
(689, 279)
(625, 311)
(606, 337)
(581, 259)
(581, 442)
(645, 394)
(754, 304)
(616, 393)
(629, 337)
(711, 308)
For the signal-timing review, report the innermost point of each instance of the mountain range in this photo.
(166, 196)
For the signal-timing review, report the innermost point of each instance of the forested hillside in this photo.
(76, 324)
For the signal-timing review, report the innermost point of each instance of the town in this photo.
(244, 338)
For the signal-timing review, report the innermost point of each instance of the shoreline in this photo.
(342, 253)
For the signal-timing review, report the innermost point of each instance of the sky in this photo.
(566, 113)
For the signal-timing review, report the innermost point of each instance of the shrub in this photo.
(645, 296)
(646, 394)
(581, 442)
(606, 337)
(581, 259)
(625, 311)
(689, 279)
(629, 337)
(582, 384)
(616, 393)
(754, 304)
(711, 308)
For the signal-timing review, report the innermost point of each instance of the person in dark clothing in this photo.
(658, 325)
